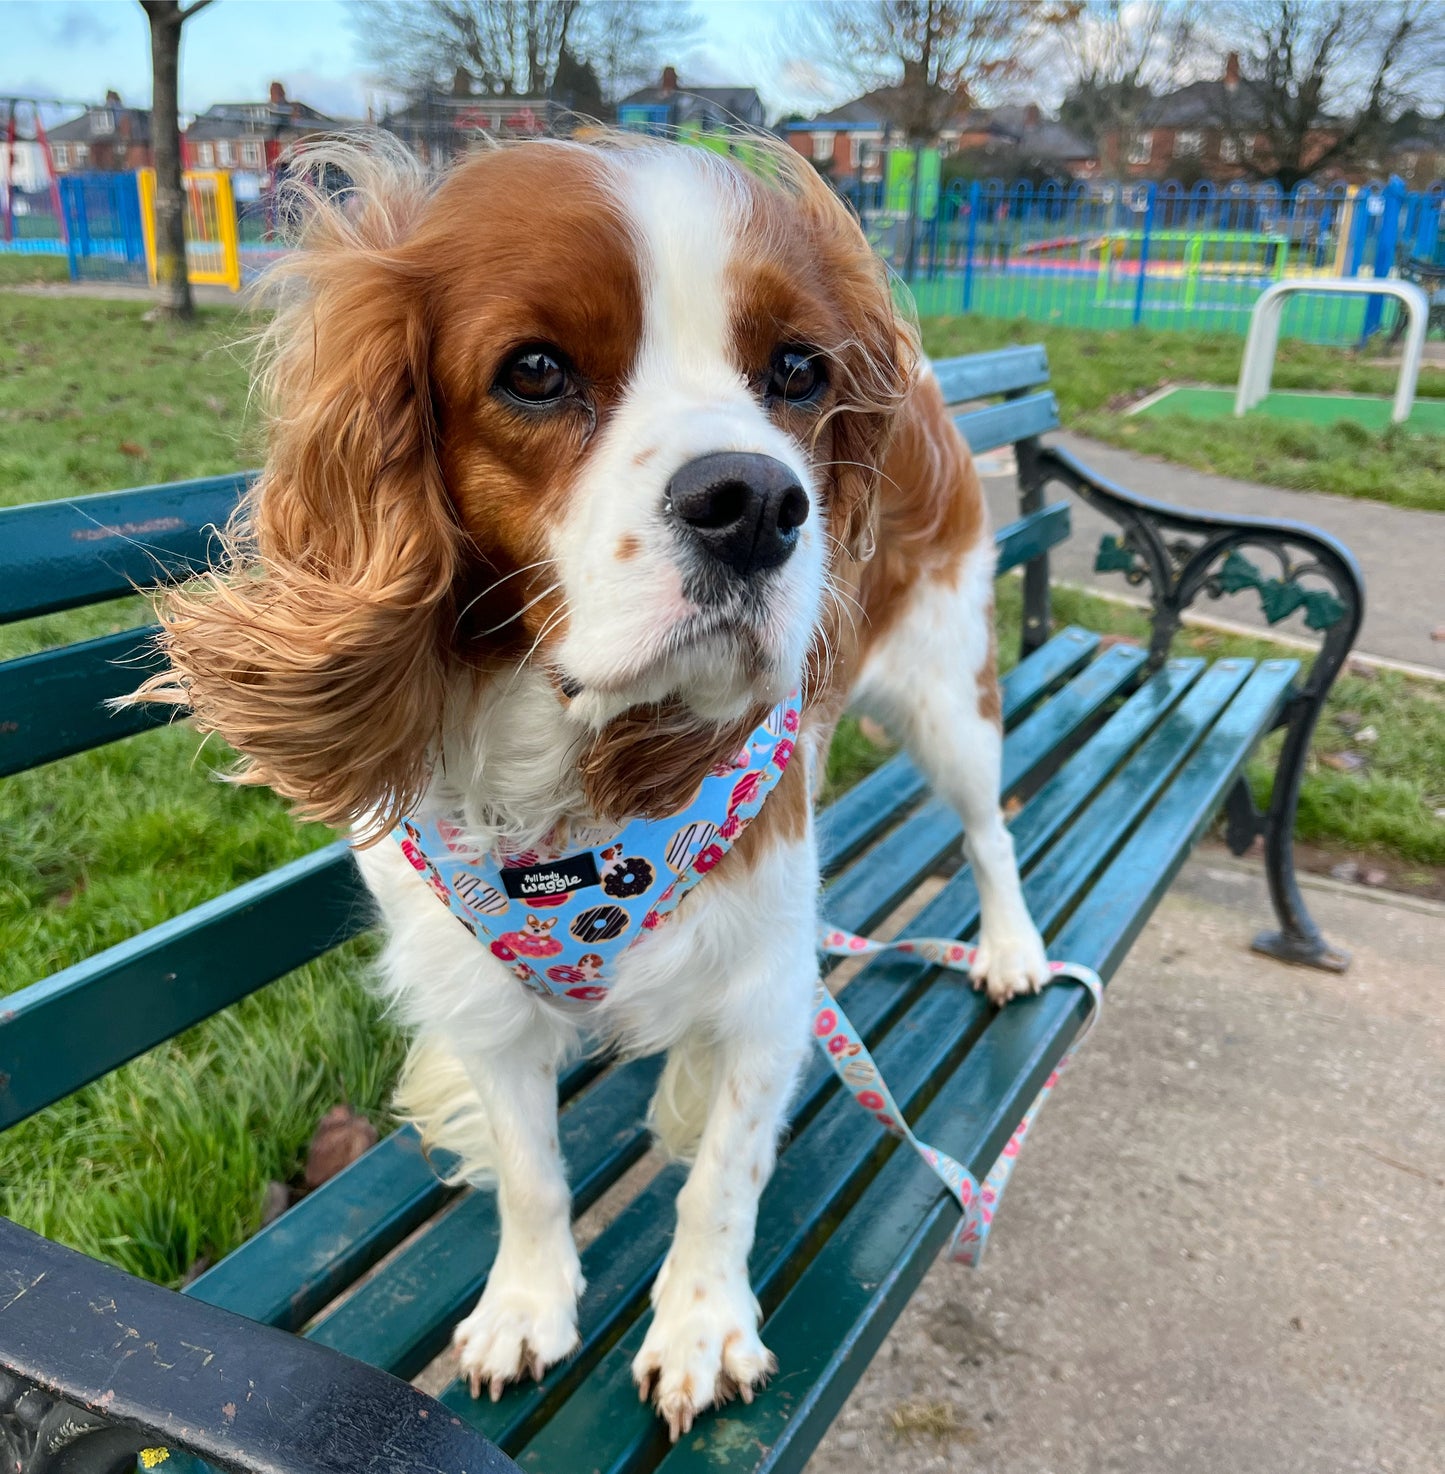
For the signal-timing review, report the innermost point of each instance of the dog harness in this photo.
(560, 912)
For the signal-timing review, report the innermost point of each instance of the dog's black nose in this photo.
(745, 509)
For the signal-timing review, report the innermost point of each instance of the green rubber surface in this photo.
(1427, 417)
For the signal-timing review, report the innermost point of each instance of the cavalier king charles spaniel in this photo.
(580, 459)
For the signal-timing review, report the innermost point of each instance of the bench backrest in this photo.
(60, 1033)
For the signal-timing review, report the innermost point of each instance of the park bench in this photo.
(1118, 758)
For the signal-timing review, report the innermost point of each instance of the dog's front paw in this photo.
(522, 1325)
(702, 1347)
(1011, 960)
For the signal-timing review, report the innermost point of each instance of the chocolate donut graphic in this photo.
(476, 895)
(627, 877)
(689, 841)
(600, 923)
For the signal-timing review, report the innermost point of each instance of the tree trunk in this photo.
(173, 287)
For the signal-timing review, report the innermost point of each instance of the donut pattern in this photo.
(564, 945)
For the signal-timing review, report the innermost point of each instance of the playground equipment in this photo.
(1262, 343)
(213, 249)
(12, 107)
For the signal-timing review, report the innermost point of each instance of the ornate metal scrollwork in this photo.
(41, 1434)
(1180, 554)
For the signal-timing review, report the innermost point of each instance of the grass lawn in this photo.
(1097, 375)
(22, 269)
(167, 1160)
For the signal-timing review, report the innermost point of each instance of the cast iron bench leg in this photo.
(1181, 553)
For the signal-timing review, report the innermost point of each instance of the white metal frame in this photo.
(1260, 347)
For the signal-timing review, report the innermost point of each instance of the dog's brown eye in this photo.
(535, 375)
(796, 376)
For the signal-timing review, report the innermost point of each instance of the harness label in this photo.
(556, 878)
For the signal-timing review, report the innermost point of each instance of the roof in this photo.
(227, 119)
(740, 101)
(440, 107)
(80, 130)
(1209, 104)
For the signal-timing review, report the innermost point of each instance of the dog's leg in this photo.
(481, 1081)
(931, 682)
(703, 1345)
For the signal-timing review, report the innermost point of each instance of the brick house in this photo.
(250, 136)
(110, 137)
(669, 105)
(849, 143)
(437, 126)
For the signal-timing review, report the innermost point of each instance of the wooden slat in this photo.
(981, 375)
(833, 1320)
(57, 1035)
(1032, 536)
(869, 807)
(620, 1434)
(53, 704)
(1002, 424)
(61, 554)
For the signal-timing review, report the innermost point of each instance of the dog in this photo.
(580, 459)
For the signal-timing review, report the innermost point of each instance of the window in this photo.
(823, 148)
(257, 112)
(61, 153)
(1229, 150)
(206, 155)
(251, 154)
(102, 122)
(870, 151)
(1141, 148)
(1188, 144)
(223, 153)
(82, 154)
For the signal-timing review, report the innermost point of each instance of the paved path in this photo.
(1402, 552)
(1221, 1250)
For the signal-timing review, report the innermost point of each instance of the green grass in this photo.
(1098, 375)
(167, 1160)
(93, 397)
(22, 269)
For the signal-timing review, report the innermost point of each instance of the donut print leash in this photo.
(851, 1060)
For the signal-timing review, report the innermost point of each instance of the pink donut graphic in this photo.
(526, 945)
(587, 994)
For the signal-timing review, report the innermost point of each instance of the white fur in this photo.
(725, 986)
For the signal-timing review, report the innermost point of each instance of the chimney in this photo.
(112, 98)
(461, 83)
(278, 94)
(1231, 71)
(669, 81)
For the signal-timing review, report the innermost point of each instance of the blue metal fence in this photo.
(1094, 254)
(103, 225)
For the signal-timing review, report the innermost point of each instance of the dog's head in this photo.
(615, 413)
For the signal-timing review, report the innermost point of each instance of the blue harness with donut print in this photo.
(560, 913)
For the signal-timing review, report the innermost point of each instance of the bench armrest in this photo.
(98, 1369)
(1181, 553)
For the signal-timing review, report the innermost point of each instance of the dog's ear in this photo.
(321, 650)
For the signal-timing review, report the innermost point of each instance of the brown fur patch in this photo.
(931, 509)
(990, 706)
(628, 547)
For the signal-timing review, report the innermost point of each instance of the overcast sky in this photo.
(77, 49)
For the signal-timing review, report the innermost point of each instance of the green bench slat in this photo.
(979, 375)
(59, 1034)
(402, 1317)
(835, 1317)
(934, 833)
(53, 704)
(1002, 424)
(1032, 536)
(870, 806)
(61, 554)
(289, 1270)
(598, 1403)
(444, 1269)
(619, 1264)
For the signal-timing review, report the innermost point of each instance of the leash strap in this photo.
(845, 1050)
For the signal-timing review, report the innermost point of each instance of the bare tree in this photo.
(1322, 81)
(166, 18)
(1115, 53)
(512, 48)
(937, 56)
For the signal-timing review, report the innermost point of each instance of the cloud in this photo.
(79, 26)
